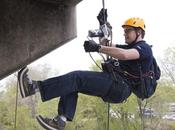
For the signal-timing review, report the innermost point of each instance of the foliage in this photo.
(91, 113)
(168, 65)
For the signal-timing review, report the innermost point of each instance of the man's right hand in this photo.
(91, 46)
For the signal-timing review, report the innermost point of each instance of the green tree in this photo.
(91, 111)
(168, 65)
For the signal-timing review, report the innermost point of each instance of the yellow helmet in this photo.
(135, 22)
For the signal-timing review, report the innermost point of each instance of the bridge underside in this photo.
(30, 29)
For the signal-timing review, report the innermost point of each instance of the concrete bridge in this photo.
(29, 29)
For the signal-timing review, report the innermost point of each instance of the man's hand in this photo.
(102, 16)
(91, 46)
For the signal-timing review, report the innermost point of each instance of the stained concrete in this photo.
(29, 29)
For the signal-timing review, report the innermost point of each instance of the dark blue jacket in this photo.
(132, 66)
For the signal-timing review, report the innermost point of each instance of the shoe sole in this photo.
(20, 81)
(43, 124)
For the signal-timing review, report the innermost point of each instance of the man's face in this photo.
(130, 34)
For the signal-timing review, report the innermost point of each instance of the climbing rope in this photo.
(108, 116)
(108, 104)
(142, 106)
(16, 106)
(107, 34)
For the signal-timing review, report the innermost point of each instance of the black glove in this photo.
(102, 16)
(91, 46)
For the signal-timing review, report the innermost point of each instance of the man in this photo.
(101, 84)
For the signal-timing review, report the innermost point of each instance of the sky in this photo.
(158, 17)
(157, 14)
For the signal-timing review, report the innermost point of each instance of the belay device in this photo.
(105, 32)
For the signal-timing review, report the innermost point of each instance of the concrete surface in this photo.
(29, 29)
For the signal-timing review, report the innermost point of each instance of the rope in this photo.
(95, 61)
(16, 107)
(141, 109)
(103, 3)
(108, 113)
(108, 116)
(107, 57)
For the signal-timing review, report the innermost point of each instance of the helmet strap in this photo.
(137, 35)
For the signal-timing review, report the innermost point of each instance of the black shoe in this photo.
(25, 84)
(51, 124)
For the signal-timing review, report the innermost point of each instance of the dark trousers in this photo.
(87, 82)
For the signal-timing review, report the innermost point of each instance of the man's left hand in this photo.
(91, 46)
(102, 16)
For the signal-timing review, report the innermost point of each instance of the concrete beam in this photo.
(29, 29)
